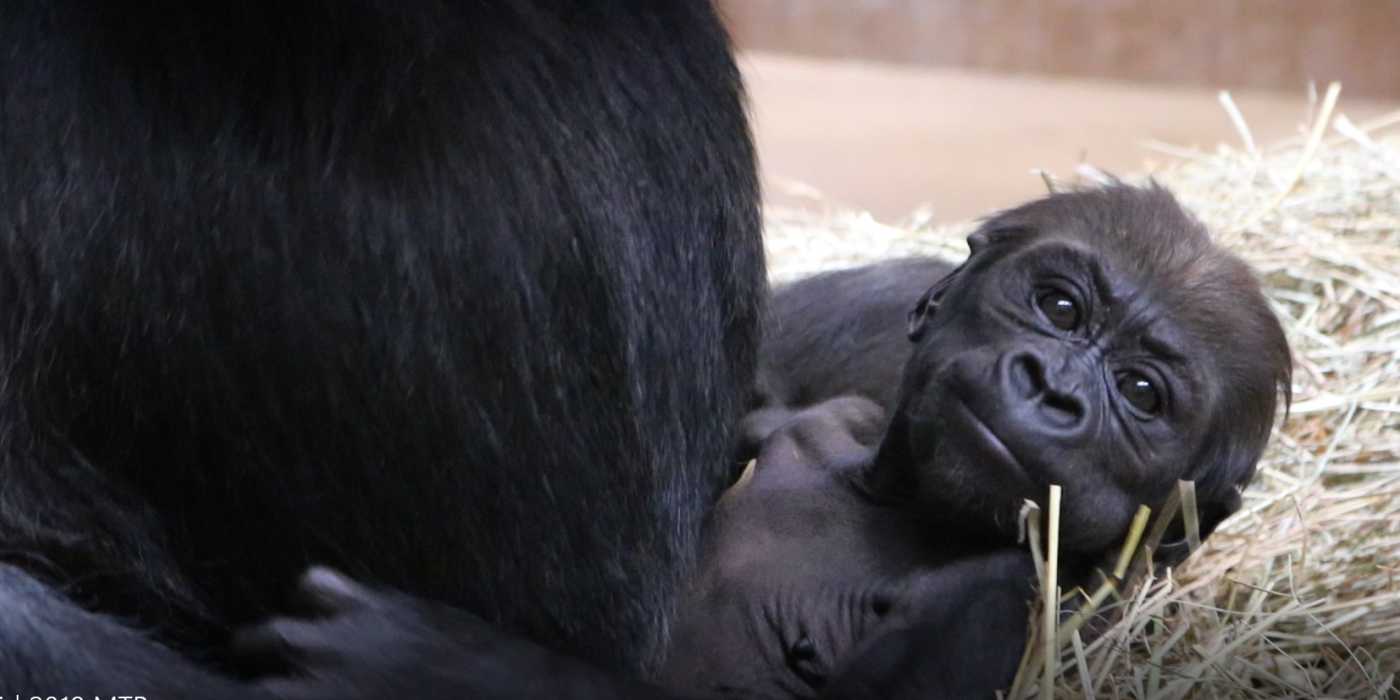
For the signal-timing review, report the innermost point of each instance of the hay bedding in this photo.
(1297, 595)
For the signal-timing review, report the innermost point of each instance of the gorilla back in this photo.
(458, 296)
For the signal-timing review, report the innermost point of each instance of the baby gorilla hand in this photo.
(356, 642)
(833, 439)
(854, 417)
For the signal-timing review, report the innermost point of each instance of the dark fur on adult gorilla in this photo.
(459, 297)
(1094, 339)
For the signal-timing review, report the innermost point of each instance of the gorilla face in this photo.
(1099, 341)
(1052, 369)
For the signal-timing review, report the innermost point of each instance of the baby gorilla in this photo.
(1094, 339)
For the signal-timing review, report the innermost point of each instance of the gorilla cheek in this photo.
(962, 482)
(923, 430)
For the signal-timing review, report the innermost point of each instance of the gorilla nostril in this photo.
(1026, 374)
(1029, 378)
(803, 650)
(1065, 409)
(881, 605)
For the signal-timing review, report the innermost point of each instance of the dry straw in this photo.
(1296, 596)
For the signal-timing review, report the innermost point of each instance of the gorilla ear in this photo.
(921, 313)
(928, 304)
(977, 240)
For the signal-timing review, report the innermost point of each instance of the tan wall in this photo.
(1274, 44)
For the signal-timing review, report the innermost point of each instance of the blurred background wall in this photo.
(889, 105)
(1273, 44)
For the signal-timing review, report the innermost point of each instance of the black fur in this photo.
(841, 333)
(460, 297)
(1141, 266)
(834, 334)
(808, 586)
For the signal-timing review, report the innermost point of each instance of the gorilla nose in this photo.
(1054, 392)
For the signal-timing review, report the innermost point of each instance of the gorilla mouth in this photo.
(983, 441)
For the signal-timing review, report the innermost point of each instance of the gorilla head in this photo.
(1098, 340)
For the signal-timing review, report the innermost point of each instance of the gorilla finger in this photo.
(757, 426)
(809, 455)
(279, 646)
(856, 416)
(324, 592)
(839, 421)
(840, 433)
(259, 653)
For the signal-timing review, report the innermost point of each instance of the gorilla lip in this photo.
(991, 444)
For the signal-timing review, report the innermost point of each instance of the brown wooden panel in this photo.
(1276, 44)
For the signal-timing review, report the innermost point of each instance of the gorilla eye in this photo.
(1140, 392)
(1059, 309)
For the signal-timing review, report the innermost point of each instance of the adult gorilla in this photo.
(459, 297)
